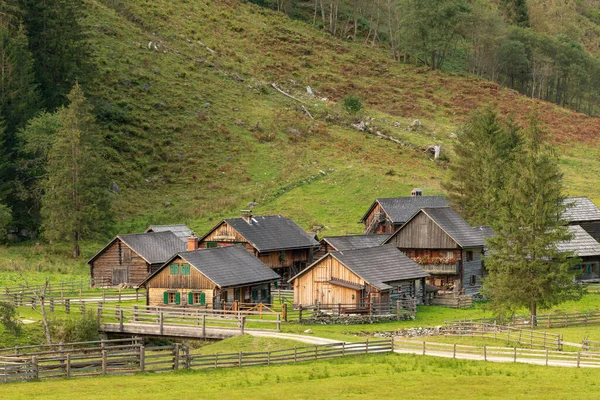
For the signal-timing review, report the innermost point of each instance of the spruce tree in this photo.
(5, 166)
(477, 174)
(76, 203)
(525, 268)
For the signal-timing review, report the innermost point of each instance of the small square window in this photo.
(473, 280)
(210, 245)
(174, 269)
(469, 255)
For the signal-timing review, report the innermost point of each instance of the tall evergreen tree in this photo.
(5, 166)
(76, 203)
(483, 155)
(525, 268)
(58, 45)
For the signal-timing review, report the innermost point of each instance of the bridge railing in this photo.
(201, 318)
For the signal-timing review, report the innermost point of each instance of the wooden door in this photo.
(119, 275)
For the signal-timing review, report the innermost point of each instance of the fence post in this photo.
(36, 371)
(161, 320)
(240, 359)
(204, 326)
(279, 322)
(367, 346)
(484, 353)
(51, 305)
(423, 347)
(104, 366)
(578, 358)
(67, 306)
(135, 313)
(269, 358)
(547, 351)
(82, 307)
(99, 313)
(300, 313)
(142, 358)
(284, 312)
(316, 351)
(103, 293)
(68, 366)
(295, 353)
(188, 358)
(217, 360)
(242, 323)
(515, 358)
(343, 349)
(137, 294)
(176, 356)
(119, 295)
(120, 320)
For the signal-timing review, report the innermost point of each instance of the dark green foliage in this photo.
(352, 104)
(76, 202)
(9, 319)
(516, 12)
(58, 46)
(525, 268)
(479, 171)
(82, 328)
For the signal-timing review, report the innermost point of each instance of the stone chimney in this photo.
(192, 243)
(416, 192)
(247, 216)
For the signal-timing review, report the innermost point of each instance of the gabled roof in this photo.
(376, 265)
(451, 223)
(154, 247)
(353, 242)
(400, 209)
(271, 233)
(580, 209)
(582, 244)
(226, 266)
(484, 230)
(181, 230)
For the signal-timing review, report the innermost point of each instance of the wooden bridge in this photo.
(195, 323)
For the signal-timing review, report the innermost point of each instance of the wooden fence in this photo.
(27, 298)
(106, 358)
(542, 321)
(452, 301)
(502, 354)
(588, 345)
(399, 308)
(526, 337)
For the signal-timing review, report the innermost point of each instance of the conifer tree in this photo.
(477, 174)
(5, 166)
(525, 268)
(76, 203)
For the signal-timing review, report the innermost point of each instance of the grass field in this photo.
(380, 376)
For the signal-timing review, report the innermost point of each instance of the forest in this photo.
(544, 49)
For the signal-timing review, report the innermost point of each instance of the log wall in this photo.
(422, 233)
(110, 265)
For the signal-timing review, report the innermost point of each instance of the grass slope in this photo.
(392, 375)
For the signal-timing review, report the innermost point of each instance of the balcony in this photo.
(441, 269)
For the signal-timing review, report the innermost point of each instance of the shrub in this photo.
(9, 319)
(352, 104)
(78, 329)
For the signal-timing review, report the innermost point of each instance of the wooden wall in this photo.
(110, 263)
(472, 268)
(195, 280)
(156, 296)
(314, 286)
(422, 233)
(384, 227)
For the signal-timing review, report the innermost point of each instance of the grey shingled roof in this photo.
(453, 224)
(581, 209)
(484, 230)
(378, 265)
(154, 247)
(181, 230)
(582, 244)
(353, 242)
(400, 209)
(229, 266)
(272, 232)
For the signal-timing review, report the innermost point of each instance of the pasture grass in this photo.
(383, 376)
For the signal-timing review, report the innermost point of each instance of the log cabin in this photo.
(275, 240)
(374, 275)
(348, 242)
(445, 246)
(583, 212)
(210, 278)
(180, 230)
(386, 215)
(129, 259)
(584, 246)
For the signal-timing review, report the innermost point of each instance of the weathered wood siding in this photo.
(591, 227)
(195, 280)
(422, 233)
(225, 235)
(383, 227)
(156, 296)
(471, 269)
(314, 284)
(112, 264)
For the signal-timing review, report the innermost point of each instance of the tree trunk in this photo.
(533, 312)
(44, 316)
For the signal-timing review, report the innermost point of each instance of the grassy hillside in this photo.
(196, 131)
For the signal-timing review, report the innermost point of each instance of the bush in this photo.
(352, 104)
(78, 329)
(9, 319)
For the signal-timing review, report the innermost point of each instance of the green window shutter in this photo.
(255, 294)
(276, 284)
(210, 245)
(166, 297)
(174, 269)
(185, 269)
(202, 299)
(177, 298)
(190, 298)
